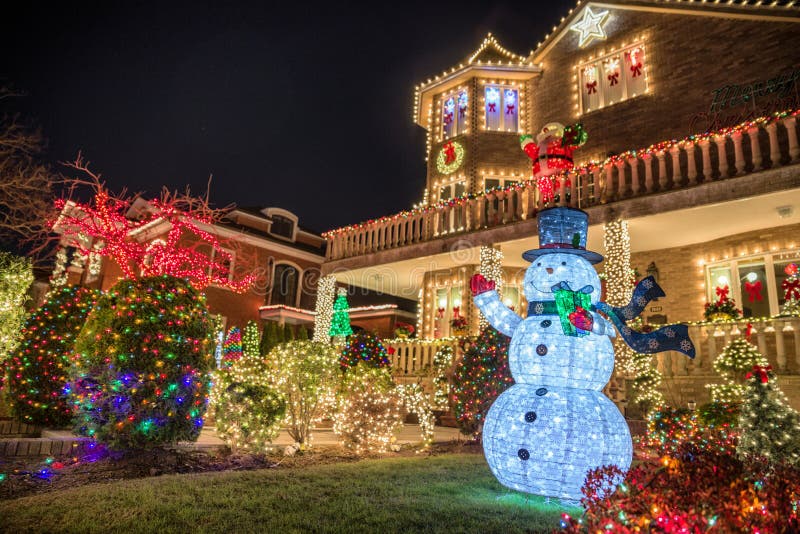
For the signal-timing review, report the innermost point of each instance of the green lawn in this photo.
(448, 493)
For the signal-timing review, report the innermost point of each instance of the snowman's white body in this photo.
(545, 432)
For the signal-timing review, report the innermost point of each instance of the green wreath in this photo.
(448, 168)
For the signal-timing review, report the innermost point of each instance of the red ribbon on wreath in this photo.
(761, 372)
(492, 107)
(636, 70)
(753, 290)
(510, 108)
(613, 78)
(449, 153)
(722, 293)
(591, 87)
(792, 288)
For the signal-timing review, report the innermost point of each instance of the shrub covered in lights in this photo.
(247, 408)
(368, 410)
(251, 340)
(733, 363)
(140, 372)
(38, 370)
(480, 376)
(16, 276)
(363, 348)
(306, 374)
(232, 346)
(442, 364)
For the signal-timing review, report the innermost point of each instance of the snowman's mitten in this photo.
(479, 284)
(603, 327)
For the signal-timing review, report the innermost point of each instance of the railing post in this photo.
(691, 164)
(755, 148)
(780, 347)
(662, 170)
(633, 163)
(648, 172)
(677, 175)
(796, 332)
(621, 179)
(774, 146)
(711, 342)
(790, 123)
(723, 155)
(705, 148)
(761, 336)
(586, 199)
(694, 334)
(738, 152)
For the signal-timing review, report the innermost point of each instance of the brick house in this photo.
(691, 113)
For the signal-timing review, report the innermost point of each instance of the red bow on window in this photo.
(449, 153)
(761, 372)
(753, 290)
(440, 312)
(492, 107)
(636, 70)
(462, 111)
(591, 88)
(792, 288)
(722, 293)
(510, 109)
(456, 312)
(448, 118)
(613, 78)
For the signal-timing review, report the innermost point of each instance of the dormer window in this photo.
(455, 110)
(282, 227)
(502, 108)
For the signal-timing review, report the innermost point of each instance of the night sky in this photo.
(300, 107)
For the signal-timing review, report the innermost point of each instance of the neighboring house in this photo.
(659, 87)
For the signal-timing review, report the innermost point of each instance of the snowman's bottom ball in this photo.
(543, 440)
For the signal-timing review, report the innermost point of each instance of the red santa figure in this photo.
(552, 153)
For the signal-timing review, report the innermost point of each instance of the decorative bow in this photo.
(591, 87)
(613, 78)
(722, 293)
(462, 110)
(456, 312)
(448, 118)
(761, 372)
(510, 108)
(449, 153)
(636, 70)
(440, 312)
(581, 318)
(753, 290)
(792, 288)
(492, 107)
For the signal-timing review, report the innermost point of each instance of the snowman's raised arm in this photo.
(488, 301)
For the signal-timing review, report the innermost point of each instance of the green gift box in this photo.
(567, 301)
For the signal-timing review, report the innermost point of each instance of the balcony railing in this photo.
(767, 142)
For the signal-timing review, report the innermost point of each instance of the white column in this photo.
(790, 123)
(691, 164)
(677, 176)
(774, 146)
(662, 170)
(723, 156)
(738, 152)
(755, 148)
(705, 148)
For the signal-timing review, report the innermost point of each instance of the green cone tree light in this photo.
(340, 322)
(734, 362)
(251, 340)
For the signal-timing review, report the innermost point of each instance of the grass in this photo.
(448, 493)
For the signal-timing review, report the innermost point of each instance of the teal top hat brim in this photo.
(591, 257)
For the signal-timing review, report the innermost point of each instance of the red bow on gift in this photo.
(792, 288)
(510, 109)
(753, 290)
(722, 293)
(761, 372)
(636, 70)
(449, 153)
(492, 107)
(591, 87)
(581, 318)
(613, 78)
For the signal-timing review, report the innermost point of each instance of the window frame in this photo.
(502, 88)
(460, 124)
(598, 64)
(300, 272)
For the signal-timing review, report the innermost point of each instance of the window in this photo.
(453, 190)
(454, 114)
(612, 78)
(502, 108)
(493, 183)
(282, 227)
(755, 283)
(448, 309)
(284, 285)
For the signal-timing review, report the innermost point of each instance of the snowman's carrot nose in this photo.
(549, 270)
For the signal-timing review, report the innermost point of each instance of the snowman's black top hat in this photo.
(563, 230)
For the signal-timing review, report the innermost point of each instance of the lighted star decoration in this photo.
(590, 26)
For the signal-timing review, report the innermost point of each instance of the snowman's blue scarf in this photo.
(673, 337)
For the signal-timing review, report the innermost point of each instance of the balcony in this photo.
(751, 158)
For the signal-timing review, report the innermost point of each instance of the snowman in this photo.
(545, 432)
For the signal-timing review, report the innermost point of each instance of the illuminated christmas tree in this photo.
(340, 323)
(733, 363)
(16, 276)
(480, 376)
(770, 428)
(363, 348)
(251, 339)
(232, 347)
(791, 288)
(139, 377)
(38, 370)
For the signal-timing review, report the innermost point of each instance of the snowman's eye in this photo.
(563, 263)
(539, 264)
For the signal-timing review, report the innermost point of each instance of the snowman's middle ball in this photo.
(540, 352)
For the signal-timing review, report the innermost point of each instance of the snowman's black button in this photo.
(541, 350)
(541, 391)
(523, 454)
(530, 417)
(546, 323)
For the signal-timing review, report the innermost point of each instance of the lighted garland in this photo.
(140, 373)
(38, 370)
(326, 292)
(247, 409)
(491, 267)
(16, 276)
(306, 374)
(450, 157)
(577, 171)
(732, 364)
